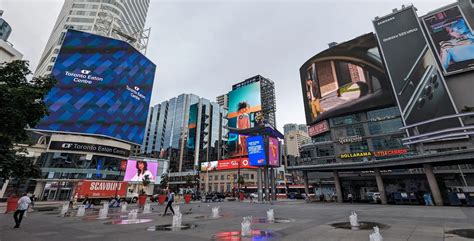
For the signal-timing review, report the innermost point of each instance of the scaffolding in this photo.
(113, 27)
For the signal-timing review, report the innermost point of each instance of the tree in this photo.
(21, 106)
(164, 181)
(189, 180)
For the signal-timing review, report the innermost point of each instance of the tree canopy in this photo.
(21, 106)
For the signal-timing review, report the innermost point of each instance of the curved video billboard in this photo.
(346, 78)
(104, 88)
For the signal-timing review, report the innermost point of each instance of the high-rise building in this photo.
(223, 100)
(294, 139)
(7, 52)
(124, 20)
(186, 130)
(293, 127)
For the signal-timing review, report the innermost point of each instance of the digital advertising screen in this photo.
(192, 124)
(103, 88)
(256, 151)
(452, 38)
(208, 166)
(244, 112)
(273, 152)
(418, 84)
(348, 77)
(138, 169)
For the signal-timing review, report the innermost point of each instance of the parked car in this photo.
(214, 197)
(255, 195)
(295, 195)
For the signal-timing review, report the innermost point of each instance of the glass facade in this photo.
(168, 134)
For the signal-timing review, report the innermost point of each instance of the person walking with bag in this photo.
(170, 202)
(23, 204)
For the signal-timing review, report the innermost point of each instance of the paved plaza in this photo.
(306, 222)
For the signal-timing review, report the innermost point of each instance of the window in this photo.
(55, 51)
(344, 120)
(49, 68)
(355, 130)
(387, 126)
(252, 176)
(53, 59)
(387, 143)
(216, 177)
(222, 177)
(359, 147)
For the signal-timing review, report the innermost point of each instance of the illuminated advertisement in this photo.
(256, 151)
(333, 85)
(244, 112)
(318, 128)
(452, 39)
(374, 153)
(138, 169)
(391, 152)
(228, 164)
(418, 85)
(273, 152)
(192, 124)
(208, 166)
(104, 88)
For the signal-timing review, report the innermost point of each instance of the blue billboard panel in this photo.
(256, 151)
(104, 88)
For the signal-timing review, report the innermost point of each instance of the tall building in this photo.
(223, 100)
(374, 130)
(294, 139)
(7, 52)
(124, 20)
(187, 130)
(293, 127)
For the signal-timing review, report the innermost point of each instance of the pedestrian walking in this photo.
(23, 204)
(170, 202)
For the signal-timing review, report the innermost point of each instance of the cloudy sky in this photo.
(203, 47)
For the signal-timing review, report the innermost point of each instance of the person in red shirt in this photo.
(243, 122)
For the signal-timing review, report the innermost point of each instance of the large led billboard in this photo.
(348, 77)
(244, 110)
(227, 164)
(273, 152)
(418, 85)
(104, 88)
(452, 39)
(138, 169)
(256, 151)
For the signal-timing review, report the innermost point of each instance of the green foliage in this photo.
(21, 106)
(241, 180)
(21, 101)
(146, 181)
(164, 180)
(189, 180)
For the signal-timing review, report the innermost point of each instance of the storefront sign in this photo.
(355, 155)
(382, 118)
(391, 152)
(87, 147)
(318, 128)
(349, 139)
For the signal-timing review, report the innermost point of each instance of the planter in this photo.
(161, 199)
(187, 198)
(12, 204)
(142, 200)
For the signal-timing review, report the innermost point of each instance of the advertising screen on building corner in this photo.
(103, 88)
(256, 151)
(418, 84)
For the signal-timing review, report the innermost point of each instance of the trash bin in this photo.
(12, 204)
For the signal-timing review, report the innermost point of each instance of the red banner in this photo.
(318, 128)
(234, 164)
(102, 189)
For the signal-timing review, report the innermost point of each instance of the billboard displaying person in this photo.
(452, 39)
(244, 108)
(104, 88)
(138, 170)
(273, 152)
